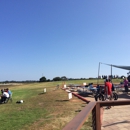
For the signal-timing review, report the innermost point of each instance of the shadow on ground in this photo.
(86, 94)
(41, 93)
(120, 96)
(125, 96)
(78, 111)
(62, 100)
(116, 123)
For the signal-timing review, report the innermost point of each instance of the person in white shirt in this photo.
(4, 96)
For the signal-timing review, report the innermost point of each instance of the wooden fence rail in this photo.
(94, 108)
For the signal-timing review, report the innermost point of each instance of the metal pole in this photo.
(111, 73)
(98, 73)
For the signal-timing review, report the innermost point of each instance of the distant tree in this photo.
(99, 77)
(117, 76)
(122, 76)
(57, 79)
(70, 79)
(110, 76)
(42, 79)
(6, 81)
(48, 80)
(91, 78)
(64, 78)
(104, 76)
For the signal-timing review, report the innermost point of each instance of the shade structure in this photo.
(116, 66)
(122, 67)
(119, 66)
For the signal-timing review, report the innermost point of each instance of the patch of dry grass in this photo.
(60, 110)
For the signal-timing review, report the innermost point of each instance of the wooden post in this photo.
(98, 121)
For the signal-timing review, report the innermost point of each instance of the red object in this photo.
(80, 97)
(109, 88)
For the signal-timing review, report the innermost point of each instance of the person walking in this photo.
(126, 85)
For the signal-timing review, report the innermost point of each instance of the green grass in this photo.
(19, 118)
(41, 111)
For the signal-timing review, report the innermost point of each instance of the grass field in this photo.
(41, 111)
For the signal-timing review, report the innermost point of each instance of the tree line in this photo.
(63, 78)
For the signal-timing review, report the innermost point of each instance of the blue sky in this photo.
(63, 38)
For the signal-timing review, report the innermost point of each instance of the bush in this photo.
(42, 79)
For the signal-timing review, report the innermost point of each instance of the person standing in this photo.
(108, 88)
(126, 85)
(108, 92)
(113, 88)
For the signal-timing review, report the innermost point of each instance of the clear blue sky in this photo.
(63, 38)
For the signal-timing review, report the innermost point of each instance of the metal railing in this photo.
(94, 108)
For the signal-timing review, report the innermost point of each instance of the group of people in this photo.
(5, 94)
(109, 87)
